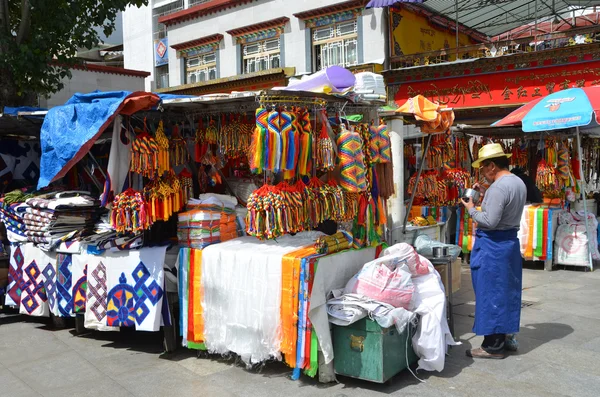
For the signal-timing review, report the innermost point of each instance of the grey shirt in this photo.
(502, 205)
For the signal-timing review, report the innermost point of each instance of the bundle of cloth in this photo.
(392, 290)
(12, 217)
(330, 244)
(54, 218)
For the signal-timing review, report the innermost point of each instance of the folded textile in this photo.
(62, 200)
(349, 308)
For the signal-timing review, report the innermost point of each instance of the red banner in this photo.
(501, 88)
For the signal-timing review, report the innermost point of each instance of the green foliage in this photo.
(40, 38)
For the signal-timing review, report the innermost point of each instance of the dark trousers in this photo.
(493, 343)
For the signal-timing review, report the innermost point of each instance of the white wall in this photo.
(243, 15)
(87, 81)
(138, 46)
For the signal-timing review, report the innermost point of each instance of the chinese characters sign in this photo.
(502, 88)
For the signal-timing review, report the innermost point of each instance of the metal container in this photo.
(440, 252)
(471, 195)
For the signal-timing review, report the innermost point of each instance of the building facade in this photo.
(191, 45)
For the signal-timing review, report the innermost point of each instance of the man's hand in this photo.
(479, 188)
(468, 204)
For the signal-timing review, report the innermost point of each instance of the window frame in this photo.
(202, 67)
(335, 37)
(263, 55)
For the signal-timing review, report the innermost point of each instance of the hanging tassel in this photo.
(274, 142)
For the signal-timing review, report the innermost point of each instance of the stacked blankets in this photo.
(58, 217)
(12, 217)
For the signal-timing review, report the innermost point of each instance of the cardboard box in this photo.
(456, 275)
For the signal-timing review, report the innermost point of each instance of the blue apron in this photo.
(497, 274)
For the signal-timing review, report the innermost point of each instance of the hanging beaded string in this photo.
(164, 163)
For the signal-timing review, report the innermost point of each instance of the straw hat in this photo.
(490, 151)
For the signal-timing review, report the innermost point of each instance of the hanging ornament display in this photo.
(130, 213)
(257, 153)
(351, 158)
(325, 152)
(187, 184)
(379, 145)
(520, 156)
(306, 142)
(162, 141)
(178, 148)
(546, 179)
(145, 155)
(563, 166)
(211, 133)
(200, 146)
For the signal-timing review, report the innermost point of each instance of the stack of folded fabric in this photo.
(211, 219)
(199, 228)
(12, 217)
(105, 238)
(58, 217)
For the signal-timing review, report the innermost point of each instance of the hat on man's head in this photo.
(489, 151)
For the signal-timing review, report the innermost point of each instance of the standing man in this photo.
(496, 264)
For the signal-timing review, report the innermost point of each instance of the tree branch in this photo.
(25, 24)
(4, 17)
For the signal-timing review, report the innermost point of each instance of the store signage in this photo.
(513, 87)
(161, 53)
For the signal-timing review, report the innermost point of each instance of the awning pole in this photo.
(414, 189)
(585, 212)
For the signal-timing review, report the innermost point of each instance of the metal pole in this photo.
(536, 28)
(414, 189)
(456, 25)
(585, 212)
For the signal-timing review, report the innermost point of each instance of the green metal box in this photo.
(366, 351)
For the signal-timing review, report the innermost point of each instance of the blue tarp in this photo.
(69, 131)
(15, 111)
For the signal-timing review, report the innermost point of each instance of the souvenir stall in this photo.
(313, 170)
(70, 256)
(255, 268)
(559, 226)
(435, 163)
(568, 112)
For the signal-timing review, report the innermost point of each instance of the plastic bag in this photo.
(386, 280)
(417, 265)
(424, 245)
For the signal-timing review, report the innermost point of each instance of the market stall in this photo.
(272, 200)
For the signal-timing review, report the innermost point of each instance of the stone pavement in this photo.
(558, 356)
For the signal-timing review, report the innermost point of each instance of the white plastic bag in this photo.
(386, 280)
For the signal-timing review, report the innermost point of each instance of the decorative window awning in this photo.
(260, 31)
(327, 15)
(198, 46)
